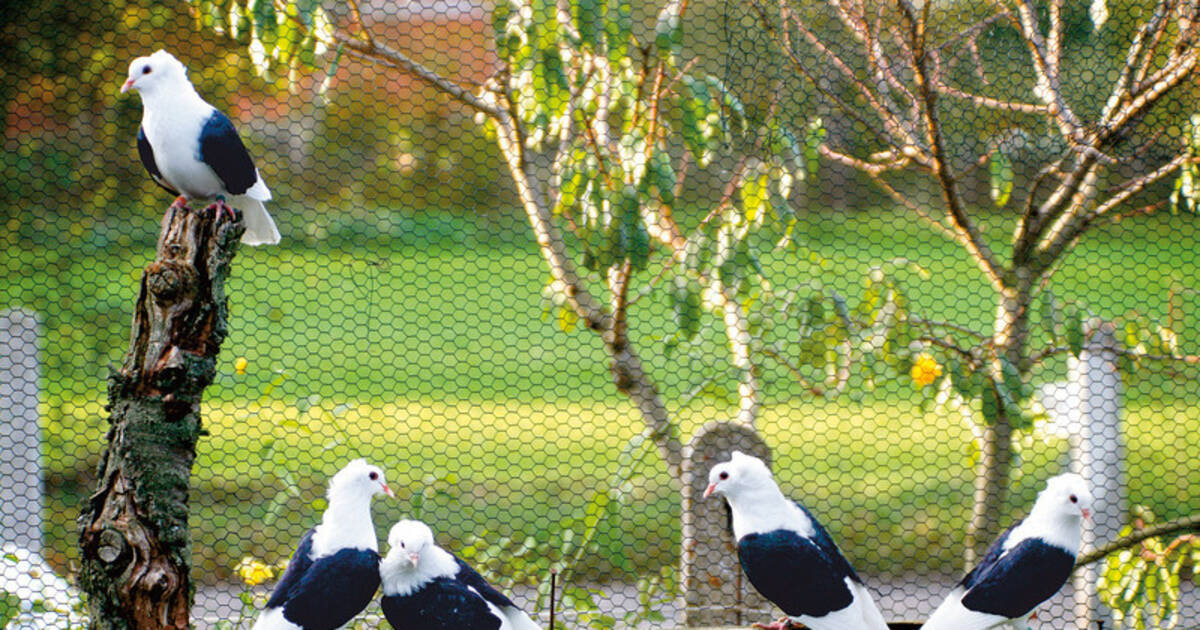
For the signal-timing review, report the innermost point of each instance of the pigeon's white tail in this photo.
(518, 620)
(952, 615)
(260, 227)
(273, 619)
(871, 613)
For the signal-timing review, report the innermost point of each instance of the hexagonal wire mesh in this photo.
(890, 240)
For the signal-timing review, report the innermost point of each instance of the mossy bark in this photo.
(135, 552)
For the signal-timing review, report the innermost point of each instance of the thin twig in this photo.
(1187, 523)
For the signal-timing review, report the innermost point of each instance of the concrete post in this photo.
(715, 590)
(20, 433)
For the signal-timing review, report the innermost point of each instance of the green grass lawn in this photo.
(420, 342)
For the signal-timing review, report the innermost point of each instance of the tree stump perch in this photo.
(134, 544)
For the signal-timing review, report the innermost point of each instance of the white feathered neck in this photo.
(346, 523)
(1047, 522)
(401, 578)
(759, 506)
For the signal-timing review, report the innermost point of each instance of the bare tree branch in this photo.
(968, 233)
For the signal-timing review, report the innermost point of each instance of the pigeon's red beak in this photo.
(127, 85)
(414, 558)
(712, 487)
(1087, 514)
(388, 491)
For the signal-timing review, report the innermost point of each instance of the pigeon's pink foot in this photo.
(180, 202)
(219, 208)
(782, 624)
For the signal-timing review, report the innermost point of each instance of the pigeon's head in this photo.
(359, 479)
(1065, 495)
(740, 473)
(149, 74)
(408, 539)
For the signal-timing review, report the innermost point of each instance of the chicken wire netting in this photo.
(536, 255)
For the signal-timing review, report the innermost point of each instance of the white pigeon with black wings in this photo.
(787, 555)
(426, 587)
(335, 571)
(193, 150)
(1025, 566)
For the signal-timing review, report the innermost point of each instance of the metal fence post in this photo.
(20, 433)
(1098, 453)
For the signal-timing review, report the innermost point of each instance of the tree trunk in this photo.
(1010, 337)
(134, 530)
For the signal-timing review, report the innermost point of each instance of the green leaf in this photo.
(567, 318)
(589, 21)
(1052, 321)
(813, 140)
(961, 377)
(662, 175)
(618, 29)
(754, 193)
(990, 405)
(551, 81)
(1000, 169)
(668, 36)
(685, 300)
(1074, 324)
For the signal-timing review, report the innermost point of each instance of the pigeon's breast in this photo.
(176, 145)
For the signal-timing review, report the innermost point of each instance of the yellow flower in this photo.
(254, 571)
(239, 366)
(925, 370)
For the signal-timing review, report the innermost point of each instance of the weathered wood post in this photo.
(1098, 454)
(715, 591)
(135, 552)
(20, 432)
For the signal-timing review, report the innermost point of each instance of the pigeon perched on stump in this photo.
(1025, 566)
(426, 587)
(191, 149)
(335, 571)
(787, 555)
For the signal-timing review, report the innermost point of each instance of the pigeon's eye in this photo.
(723, 476)
(374, 475)
(145, 69)
(402, 545)
(1074, 499)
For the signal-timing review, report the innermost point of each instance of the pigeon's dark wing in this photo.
(824, 542)
(222, 150)
(797, 574)
(1020, 579)
(470, 577)
(300, 562)
(333, 590)
(442, 604)
(146, 152)
(987, 561)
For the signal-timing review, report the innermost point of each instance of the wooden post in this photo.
(134, 545)
(20, 432)
(1098, 454)
(715, 590)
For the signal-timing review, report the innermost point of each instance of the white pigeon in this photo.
(335, 571)
(787, 555)
(1025, 566)
(426, 587)
(193, 150)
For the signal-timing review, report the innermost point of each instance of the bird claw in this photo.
(180, 202)
(783, 623)
(219, 207)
